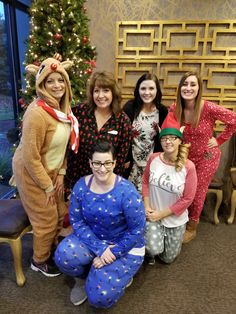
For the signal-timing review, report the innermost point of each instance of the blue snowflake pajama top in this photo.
(116, 217)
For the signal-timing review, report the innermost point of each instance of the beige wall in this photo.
(104, 13)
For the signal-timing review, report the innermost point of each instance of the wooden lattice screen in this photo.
(170, 48)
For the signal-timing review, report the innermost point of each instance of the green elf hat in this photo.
(171, 126)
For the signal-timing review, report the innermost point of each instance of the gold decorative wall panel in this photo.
(170, 48)
(181, 39)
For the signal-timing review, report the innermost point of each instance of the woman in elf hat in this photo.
(169, 186)
(199, 117)
(39, 163)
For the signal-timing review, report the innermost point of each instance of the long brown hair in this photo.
(104, 79)
(180, 102)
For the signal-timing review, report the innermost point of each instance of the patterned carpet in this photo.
(201, 281)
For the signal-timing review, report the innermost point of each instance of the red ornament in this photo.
(93, 63)
(54, 66)
(58, 36)
(21, 101)
(89, 71)
(85, 40)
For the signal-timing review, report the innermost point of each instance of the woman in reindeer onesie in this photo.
(39, 163)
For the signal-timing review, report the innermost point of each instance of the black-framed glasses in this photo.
(168, 138)
(98, 164)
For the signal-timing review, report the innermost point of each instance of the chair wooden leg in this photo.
(16, 248)
(233, 207)
(219, 199)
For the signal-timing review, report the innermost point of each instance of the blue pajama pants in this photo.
(104, 286)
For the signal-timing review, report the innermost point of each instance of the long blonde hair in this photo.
(180, 102)
(182, 156)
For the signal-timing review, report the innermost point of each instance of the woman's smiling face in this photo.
(190, 88)
(148, 91)
(102, 165)
(55, 85)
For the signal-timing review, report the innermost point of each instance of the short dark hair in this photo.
(103, 147)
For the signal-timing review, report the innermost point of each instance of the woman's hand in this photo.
(107, 256)
(50, 198)
(212, 142)
(127, 164)
(153, 216)
(148, 210)
(98, 263)
(59, 184)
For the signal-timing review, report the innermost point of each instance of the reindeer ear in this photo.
(67, 64)
(32, 69)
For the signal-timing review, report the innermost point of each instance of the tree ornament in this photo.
(85, 39)
(93, 63)
(89, 71)
(58, 36)
(21, 101)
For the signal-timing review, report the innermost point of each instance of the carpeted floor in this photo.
(201, 281)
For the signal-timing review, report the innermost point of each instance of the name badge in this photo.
(114, 132)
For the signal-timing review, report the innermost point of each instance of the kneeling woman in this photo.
(106, 248)
(169, 186)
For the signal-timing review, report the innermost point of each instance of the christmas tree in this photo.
(60, 26)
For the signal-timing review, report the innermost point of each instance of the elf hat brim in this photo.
(171, 131)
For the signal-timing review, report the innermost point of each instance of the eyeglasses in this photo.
(168, 138)
(98, 164)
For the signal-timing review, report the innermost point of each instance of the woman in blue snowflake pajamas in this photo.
(106, 248)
